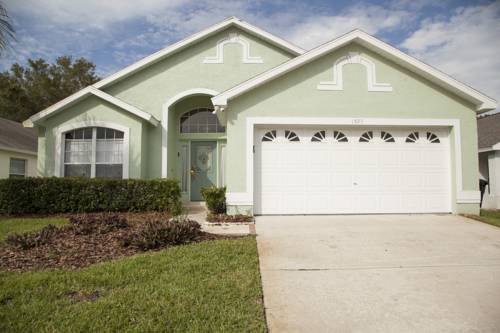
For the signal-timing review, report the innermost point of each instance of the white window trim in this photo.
(164, 121)
(59, 147)
(247, 198)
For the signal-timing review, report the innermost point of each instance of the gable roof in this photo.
(481, 101)
(176, 47)
(488, 130)
(82, 94)
(14, 137)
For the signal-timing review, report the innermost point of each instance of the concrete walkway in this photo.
(380, 273)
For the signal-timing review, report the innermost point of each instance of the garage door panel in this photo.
(330, 177)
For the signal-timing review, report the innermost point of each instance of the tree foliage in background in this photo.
(25, 91)
(6, 28)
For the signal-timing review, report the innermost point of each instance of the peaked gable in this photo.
(481, 101)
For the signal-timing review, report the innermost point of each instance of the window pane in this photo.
(101, 133)
(200, 120)
(118, 135)
(78, 134)
(87, 133)
(109, 151)
(110, 134)
(109, 171)
(78, 151)
(77, 170)
(185, 168)
(17, 167)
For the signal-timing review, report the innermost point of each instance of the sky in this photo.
(461, 38)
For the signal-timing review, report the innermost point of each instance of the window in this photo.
(17, 168)
(386, 137)
(201, 120)
(339, 136)
(319, 137)
(269, 136)
(433, 138)
(93, 152)
(366, 137)
(291, 136)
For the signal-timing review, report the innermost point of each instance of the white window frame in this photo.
(60, 142)
(25, 167)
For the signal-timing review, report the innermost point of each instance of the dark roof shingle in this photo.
(14, 136)
(488, 128)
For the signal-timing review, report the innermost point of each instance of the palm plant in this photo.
(6, 28)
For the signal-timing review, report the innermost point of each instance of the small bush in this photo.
(80, 195)
(30, 240)
(154, 234)
(85, 224)
(215, 198)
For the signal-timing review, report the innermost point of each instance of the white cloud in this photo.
(315, 30)
(465, 46)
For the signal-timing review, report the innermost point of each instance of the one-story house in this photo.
(18, 150)
(351, 126)
(488, 128)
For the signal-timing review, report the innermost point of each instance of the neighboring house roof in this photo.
(76, 97)
(231, 21)
(481, 101)
(14, 137)
(488, 131)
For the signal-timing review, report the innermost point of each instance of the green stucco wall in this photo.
(6, 155)
(94, 109)
(151, 87)
(295, 95)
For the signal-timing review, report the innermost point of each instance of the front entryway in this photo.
(203, 167)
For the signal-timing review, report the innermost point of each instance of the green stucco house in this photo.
(351, 126)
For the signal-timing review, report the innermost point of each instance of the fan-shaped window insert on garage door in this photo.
(351, 171)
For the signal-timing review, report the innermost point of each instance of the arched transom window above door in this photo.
(200, 120)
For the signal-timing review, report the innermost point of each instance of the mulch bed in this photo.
(224, 218)
(73, 251)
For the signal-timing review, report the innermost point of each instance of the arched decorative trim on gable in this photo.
(353, 58)
(233, 38)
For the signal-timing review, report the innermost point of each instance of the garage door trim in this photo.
(247, 197)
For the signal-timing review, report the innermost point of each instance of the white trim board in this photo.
(20, 151)
(481, 101)
(164, 121)
(59, 132)
(233, 38)
(231, 21)
(78, 96)
(247, 197)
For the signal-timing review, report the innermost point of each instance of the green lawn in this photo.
(490, 216)
(212, 286)
(19, 225)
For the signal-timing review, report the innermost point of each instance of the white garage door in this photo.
(351, 170)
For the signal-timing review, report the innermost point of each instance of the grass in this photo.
(20, 225)
(489, 216)
(211, 286)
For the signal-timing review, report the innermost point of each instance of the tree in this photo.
(6, 28)
(25, 91)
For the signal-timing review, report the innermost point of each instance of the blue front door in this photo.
(203, 167)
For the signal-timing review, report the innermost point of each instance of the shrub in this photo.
(81, 195)
(30, 240)
(215, 198)
(85, 224)
(158, 233)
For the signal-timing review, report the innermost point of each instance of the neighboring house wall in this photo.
(295, 94)
(489, 163)
(6, 155)
(150, 88)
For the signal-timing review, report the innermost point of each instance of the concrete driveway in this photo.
(379, 273)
